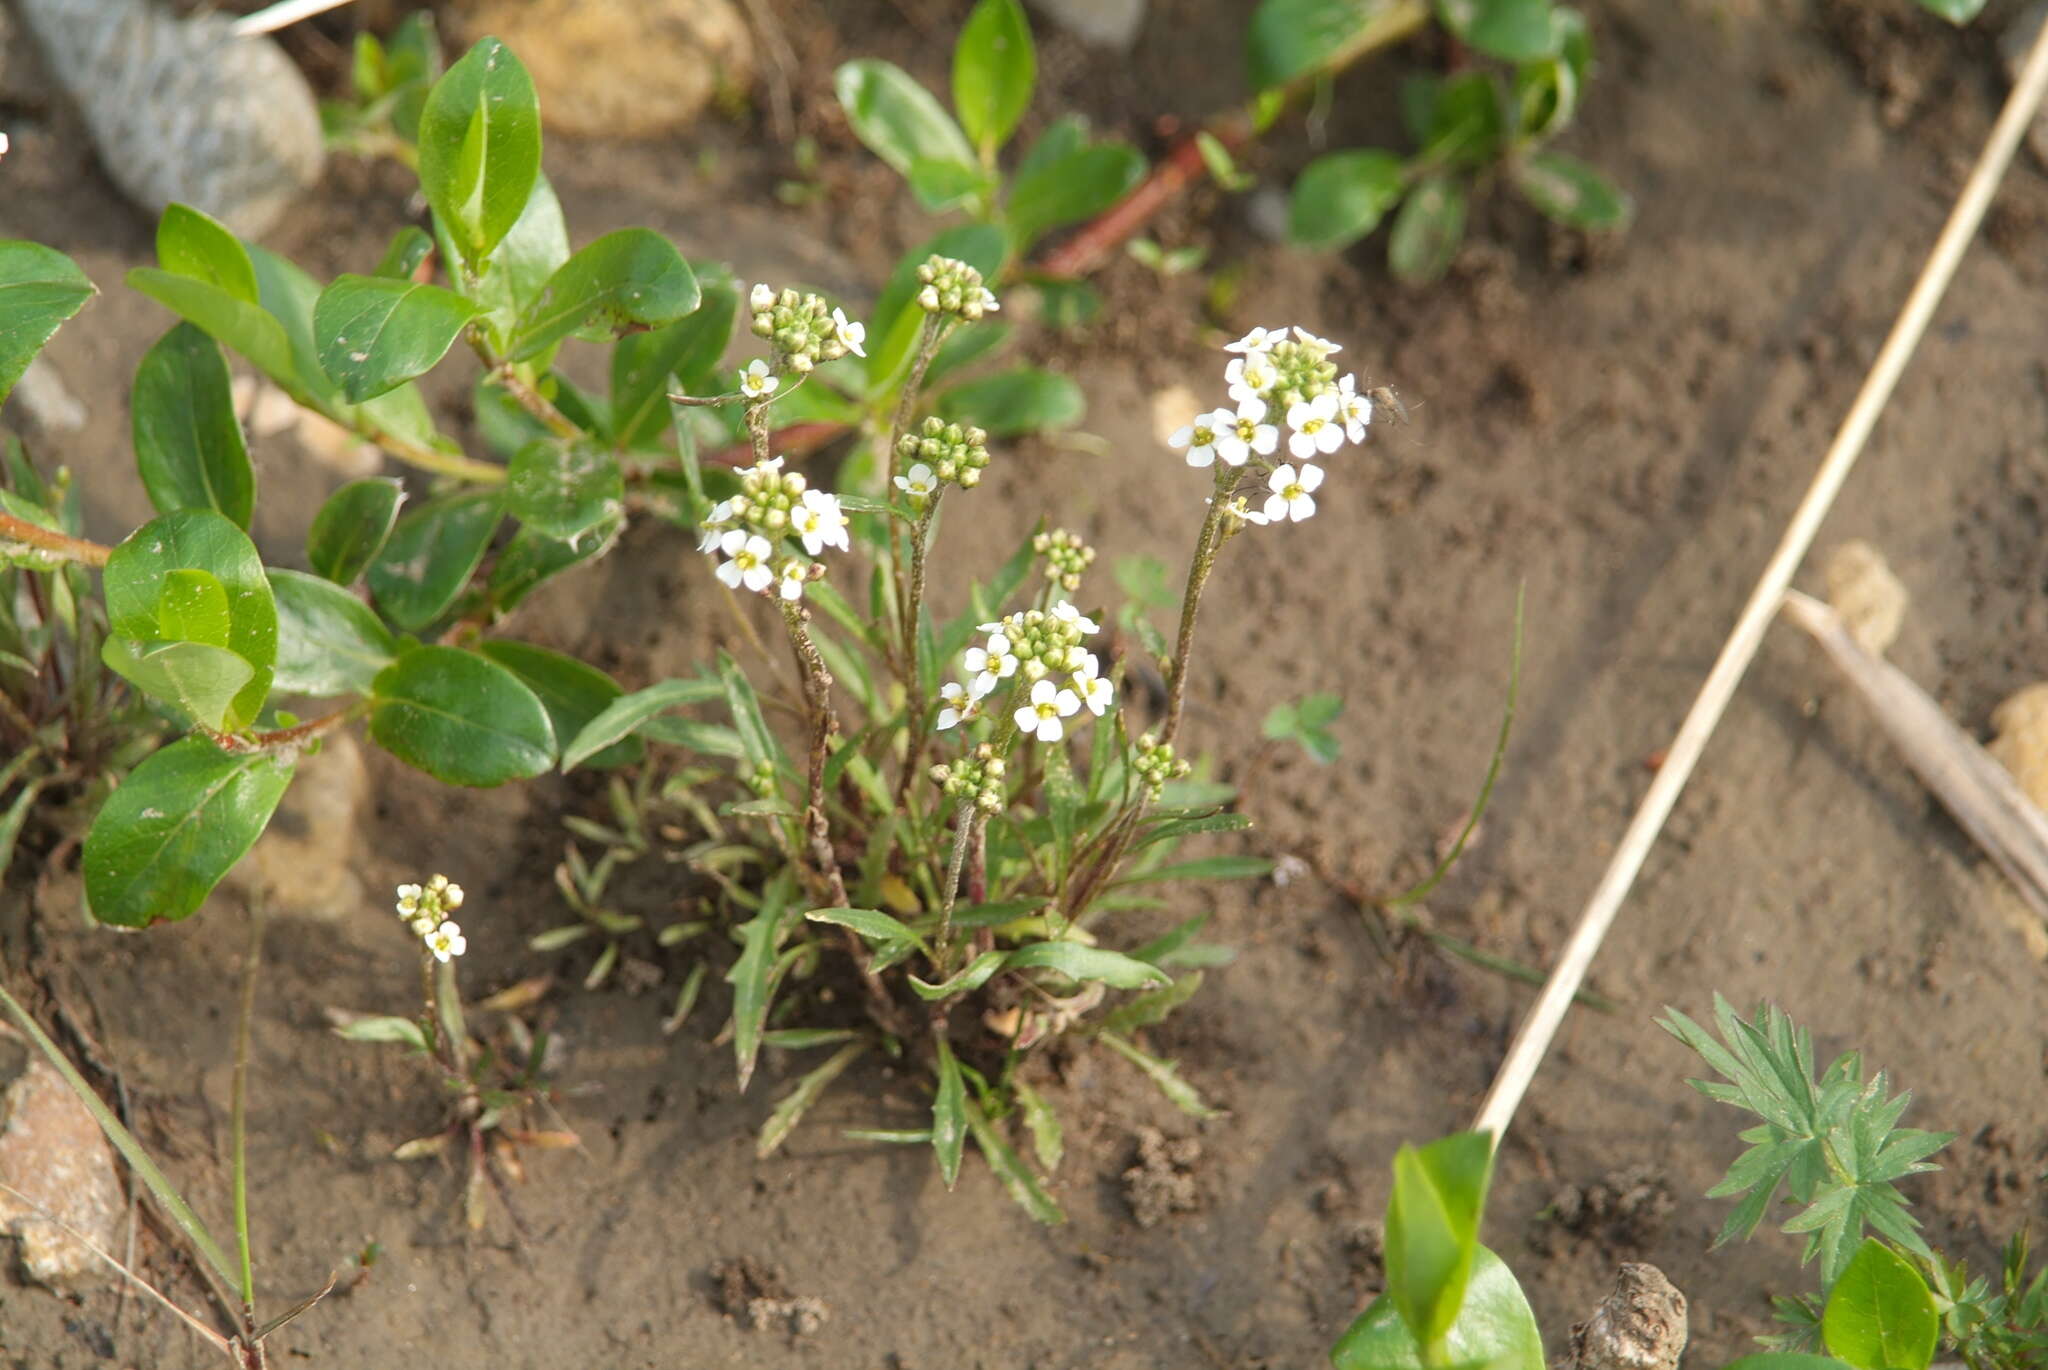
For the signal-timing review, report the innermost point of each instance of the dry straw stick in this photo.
(283, 14)
(1537, 1030)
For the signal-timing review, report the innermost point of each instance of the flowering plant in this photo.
(951, 844)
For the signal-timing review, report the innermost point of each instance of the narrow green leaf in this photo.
(753, 976)
(410, 248)
(873, 924)
(1164, 1074)
(328, 641)
(430, 556)
(573, 692)
(564, 490)
(188, 442)
(965, 981)
(383, 1029)
(190, 242)
(460, 718)
(1880, 1314)
(994, 68)
(40, 288)
(1432, 1229)
(790, 1109)
(1341, 196)
(479, 146)
(1205, 868)
(949, 1114)
(1010, 1169)
(897, 118)
(376, 333)
(631, 278)
(1048, 1139)
(352, 527)
(1086, 963)
(627, 713)
(174, 827)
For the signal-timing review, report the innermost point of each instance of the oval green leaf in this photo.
(1340, 198)
(198, 678)
(896, 117)
(430, 556)
(687, 350)
(572, 692)
(529, 559)
(994, 67)
(1291, 38)
(634, 277)
(174, 827)
(479, 147)
(1071, 188)
(190, 242)
(949, 1114)
(460, 718)
(40, 288)
(942, 185)
(1880, 1314)
(328, 641)
(1494, 1328)
(352, 527)
(1025, 400)
(375, 333)
(1512, 30)
(1427, 231)
(1571, 192)
(199, 540)
(564, 489)
(188, 442)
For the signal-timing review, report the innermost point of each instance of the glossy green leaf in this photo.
(1009, 403)
(949, 1113)
(352, 527)
(376, 333)
(197, 678)
(192, 243)
(199, 540)
(460, 718)
(1427, 231)
(1495, 1328)
(245, 327)
(645, 365)
(529, 560)
(1571, 192)
(896, 117)
(624, 715)
(410, 248)
(564, 489)
(174, 827)
(1289, 39)
(1432, 1229)
(520, 265)
(1955, 11)
(431, 555)
(1084, 963)
(940, 185)
(1880, 1314)
(188, 442)
(631, 278)
(994, 67)
(1467, 125)
(479, 146)
(572, 692)
(1075, 187)
(1341, 197)
(328, 641)
(192, 606)
(1512, 30)
(40, 288)
(895, 323)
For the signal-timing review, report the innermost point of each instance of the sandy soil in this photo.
(1621, 431)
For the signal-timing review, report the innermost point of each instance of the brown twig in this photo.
(49, 540)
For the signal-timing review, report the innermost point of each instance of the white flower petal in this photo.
(1026, 718)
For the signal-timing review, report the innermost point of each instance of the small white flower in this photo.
(794, 574)
(1199, 438)
(763, 296)
(1049, 704)
(918, 483)
(989, 304)
(3, 145)
(1093, 687)
(820, 522)
(408, 900)
(1066, 611)
(1241, 434)
(989, 664)
(451, 896)
(850, 335)
(1354, 410)
(959, 705)
(1312, 340)
(757, 382)
(447, 942)
(1291, 493)
(749, 555)
(1315, 426)
(720, 513)
(1241, 510)
(1258, 342)
(1249, 377)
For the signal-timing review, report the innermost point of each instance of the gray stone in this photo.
(184, 110)
(1111, 24)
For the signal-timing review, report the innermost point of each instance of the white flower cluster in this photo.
(422, 908)
(749, 528)
(1039, 646)
(1276, 373)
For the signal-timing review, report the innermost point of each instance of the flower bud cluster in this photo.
(1156, 764)
(424, 909)
(751, 527)
(950, 286)
(978, 778)
(804, 329)
(1066, 557)
(941, 453)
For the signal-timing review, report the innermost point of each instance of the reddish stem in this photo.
(1091, 247)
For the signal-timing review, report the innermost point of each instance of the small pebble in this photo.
(1871, 600)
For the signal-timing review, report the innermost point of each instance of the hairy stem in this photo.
(935, 329)
(817, 686)
(49, 540)
(966, 818)
(285, 739)
(1191, 603)
(913, 669)
(238, 1119)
